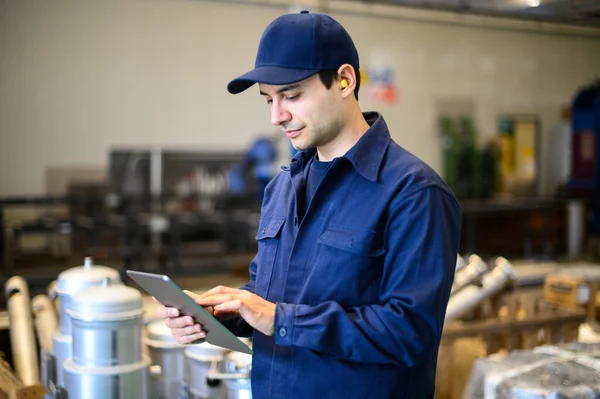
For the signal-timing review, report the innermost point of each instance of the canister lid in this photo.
(158, 335)
(108, 301)
(205, 352)
(72, 280)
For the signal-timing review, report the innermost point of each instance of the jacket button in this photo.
(282, 332)
(264, 230)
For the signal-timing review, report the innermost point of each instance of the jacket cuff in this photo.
(285, 314)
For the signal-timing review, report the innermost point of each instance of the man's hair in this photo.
(327, 77)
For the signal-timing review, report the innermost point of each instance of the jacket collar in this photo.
(367, 154)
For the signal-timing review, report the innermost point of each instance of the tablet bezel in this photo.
(164, 289)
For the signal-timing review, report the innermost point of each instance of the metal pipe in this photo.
(53, 295)
(471, 296)
(46, 321)
(469, 274)
(22, 336)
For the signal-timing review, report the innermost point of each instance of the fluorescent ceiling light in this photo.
(533, 3)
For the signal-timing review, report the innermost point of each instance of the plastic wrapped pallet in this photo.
(570, 371)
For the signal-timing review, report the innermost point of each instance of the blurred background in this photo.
(119, 141)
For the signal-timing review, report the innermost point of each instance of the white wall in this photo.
(79, 77)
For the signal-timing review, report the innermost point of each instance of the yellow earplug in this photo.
(344, 83)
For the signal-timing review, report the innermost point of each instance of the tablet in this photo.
(170, 294)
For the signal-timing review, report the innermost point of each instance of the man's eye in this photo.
(269, 102)
(292, 97)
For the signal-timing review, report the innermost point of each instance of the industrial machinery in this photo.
(69, 283)
(472, 295)
(469, 273)
(102, 347)
(21, 330)
(168, 360)
(201, 359)
(107, 359)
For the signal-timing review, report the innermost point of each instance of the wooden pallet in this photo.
(509, 321)
(11, 386)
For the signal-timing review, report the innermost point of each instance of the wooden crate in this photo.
(508, 321)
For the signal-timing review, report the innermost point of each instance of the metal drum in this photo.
(107, 360)
(68, 284)
(202, 359)
(237, 371)
(165, 352)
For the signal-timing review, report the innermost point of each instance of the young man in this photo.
(357, 240)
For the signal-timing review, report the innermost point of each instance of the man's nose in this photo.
(279, 114)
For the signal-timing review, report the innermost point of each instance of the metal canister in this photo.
(238, 366)
(203, 359)
(107, 360)
(165, 352)
(68, 284)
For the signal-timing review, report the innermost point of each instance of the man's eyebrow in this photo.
(284, 88)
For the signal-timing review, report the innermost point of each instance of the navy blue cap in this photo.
(296, 46)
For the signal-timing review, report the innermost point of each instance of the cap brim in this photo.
(272, 75)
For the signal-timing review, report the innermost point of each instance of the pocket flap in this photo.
(270, 227)
(362, 242)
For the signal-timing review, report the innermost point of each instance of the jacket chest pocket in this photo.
(268, 238)
(348, 266)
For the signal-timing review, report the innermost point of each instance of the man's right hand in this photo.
(183, 328)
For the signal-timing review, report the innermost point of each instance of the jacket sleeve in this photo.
(405, 327)
(238, 326)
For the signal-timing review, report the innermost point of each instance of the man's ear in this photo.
(347, 79)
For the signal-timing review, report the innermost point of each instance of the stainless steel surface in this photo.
(107, 360)
(106, 344)
(107, 325)
(46, 321)
(239, 389)
(121, 382)
(201, 359)
(48, 371)
(78, 278)
(62, 346)
(237, 363)
(22, 336)
(169, 356)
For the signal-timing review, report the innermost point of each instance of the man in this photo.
(357, 240)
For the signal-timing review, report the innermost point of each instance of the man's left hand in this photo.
(257, 312)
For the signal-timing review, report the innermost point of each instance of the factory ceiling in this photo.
(574, 12)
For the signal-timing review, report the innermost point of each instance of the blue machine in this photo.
(585, 161)
(585, 150)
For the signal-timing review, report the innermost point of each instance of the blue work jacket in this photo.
(361, 279)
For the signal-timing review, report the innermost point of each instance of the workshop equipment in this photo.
(201, 359)
(492, 282)
(107, 360)
(166, 353)
(238, 367)
(22, 336)
(469, 274)
(46, 321)
(69, 283)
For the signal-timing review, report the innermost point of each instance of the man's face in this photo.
(308, 113)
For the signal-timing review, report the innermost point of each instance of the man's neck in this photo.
(346, 139)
